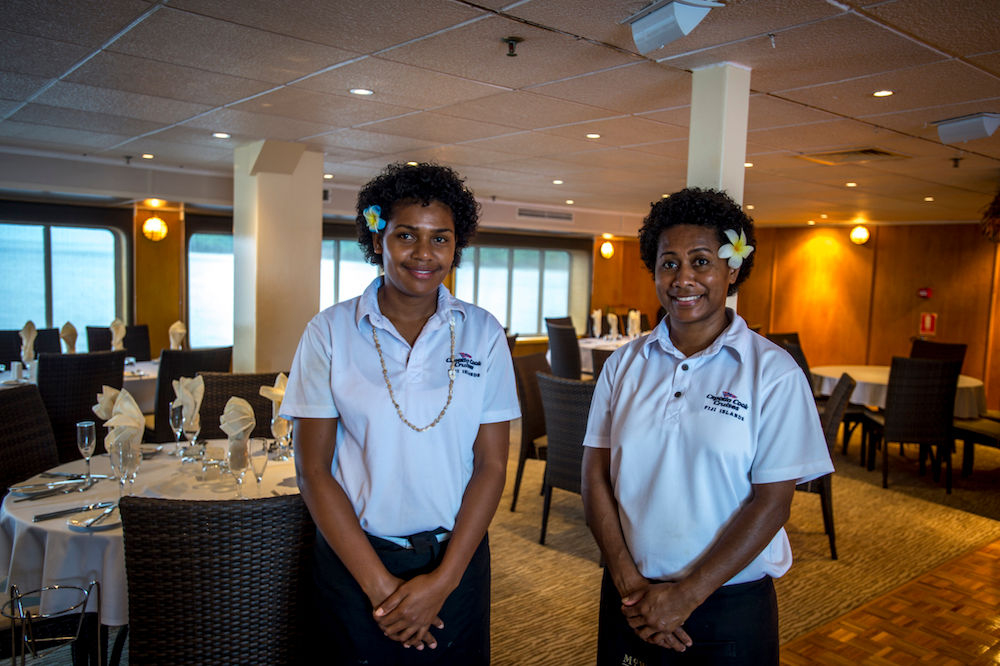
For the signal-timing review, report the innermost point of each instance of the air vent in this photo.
(853, 156)
(326, 195)
(537, 214)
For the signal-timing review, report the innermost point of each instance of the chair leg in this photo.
(826, 504)
(968, 453)
(547, 489)
(885, 464)
(517, 478)
(944, 451)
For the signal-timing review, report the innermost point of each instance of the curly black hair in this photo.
(421, 183)
(704, 208)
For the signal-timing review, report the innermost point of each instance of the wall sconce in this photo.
(860, 235)
(607, 249)
(154, 228)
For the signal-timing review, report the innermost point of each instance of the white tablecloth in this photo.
(873, 383)
(37, 554)
(586, 344)
(140, 380)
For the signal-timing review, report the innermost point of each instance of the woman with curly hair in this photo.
(402, 399)
(698, 434)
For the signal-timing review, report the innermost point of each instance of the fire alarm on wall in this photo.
(925, 292)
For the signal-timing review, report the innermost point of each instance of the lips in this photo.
(685, 300)
(421, 273)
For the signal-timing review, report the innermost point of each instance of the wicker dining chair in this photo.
(598, 357)
(136, 340)
(782, 338)
(221, 582)
(919, 409)
(174, 364)
(69, 385)
(830, 419)
(564, 351)
(27, 446)
(566, 403)
(532, 417)
(942, 351)
(221, 386)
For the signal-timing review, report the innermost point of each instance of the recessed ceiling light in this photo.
(749, 206)
(327, 176)
(154, 203)
(850, 184)
(928, 198)
(748, 164)
(222, 135)
(557, 182)
(811, 222)
(607, 236)
(822, 216)
(411, 164)
(364, 92)
(881, 93)
(666, 196)
(570, 202)
(147, 156)
(593, 135)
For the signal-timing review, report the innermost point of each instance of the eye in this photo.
(404, 235)
(669, 265)
(701, 261)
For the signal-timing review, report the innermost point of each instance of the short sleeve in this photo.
(309, 393)
(500, 399)
(790, 442)
(599, 420)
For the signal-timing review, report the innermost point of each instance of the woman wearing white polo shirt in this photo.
(697, 436)
(401, 399)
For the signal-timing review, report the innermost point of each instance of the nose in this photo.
(684, 275)
(422, 248)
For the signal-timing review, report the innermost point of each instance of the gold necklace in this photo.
(451, 380)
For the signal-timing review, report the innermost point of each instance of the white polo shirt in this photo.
(688, 437)
(400, 481)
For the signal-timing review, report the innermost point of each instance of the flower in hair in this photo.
(736, 250)
(373, 216)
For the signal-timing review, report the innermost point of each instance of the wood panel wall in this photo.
(159, 284)
(623, 280)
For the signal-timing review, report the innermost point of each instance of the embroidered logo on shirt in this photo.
(727, 404)
(465, 364)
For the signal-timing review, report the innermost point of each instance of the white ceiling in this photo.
(115, 78)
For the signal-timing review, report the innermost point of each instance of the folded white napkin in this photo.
(117, 335)
(176, 332)
(189, 392)
(612, 325)
(595, 323)
(68, 335)
(105, 402)
(633, 326)
(126, 424)
(28, 334)
(237, 422)
(276, 393)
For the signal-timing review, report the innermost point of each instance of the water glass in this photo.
(131, 464)
(281, 428)
(238, 459)
(86, 439)
(258, 458)
(177, 424)
(116, 455)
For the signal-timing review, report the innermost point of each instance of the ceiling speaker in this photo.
(666, 20)
(967, 128)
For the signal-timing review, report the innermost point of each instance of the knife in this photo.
(55, 491)
(104, 514)
(68, 512)
(71, 475)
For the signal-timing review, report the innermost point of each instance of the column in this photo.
(717, 141)
(277, 241)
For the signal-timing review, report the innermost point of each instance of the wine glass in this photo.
(177, 424)
(133, 459)
(238, 458)
(191, 432)
(258, 458)
(86, 439)
(116, 455)
(280, 428)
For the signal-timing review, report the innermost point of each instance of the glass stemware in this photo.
(258, 458)
(280, 429)
(177, 425)
(238, 459)
(116, 455)
(131, 464)
(86, 439)
(191, 434)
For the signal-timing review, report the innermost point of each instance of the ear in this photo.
(376, 242)
(733, 274)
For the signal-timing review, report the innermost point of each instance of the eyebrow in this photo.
(442, 230)
(691, 251)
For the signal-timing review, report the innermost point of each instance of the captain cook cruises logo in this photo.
(465, 364)
(727, 404)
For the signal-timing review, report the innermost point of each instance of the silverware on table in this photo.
(104, 514)
(71, 475)
(78, 487)
(69, 512)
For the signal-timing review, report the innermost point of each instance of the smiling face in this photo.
(417, 248)
(692, 281)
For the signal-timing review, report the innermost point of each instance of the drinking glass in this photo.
(133, 459)
(86, 439)
(191, 434)
(280, 428)
(238, 459)
(117, 454)
(258, 458)
(177, 424)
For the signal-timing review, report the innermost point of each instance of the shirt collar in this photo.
(734, 338)
(368, 307)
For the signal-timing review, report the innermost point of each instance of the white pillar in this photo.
(717, 141)
(277, 243)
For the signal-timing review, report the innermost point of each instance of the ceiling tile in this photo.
(600, 21)
(19, 87)
(175, 154)
(115, 102)
(330, 110)
(767, 111)
(620, 131)
(954, 27)
(437, 128)
(989, 62)
(635, 88)
(477, 52)
(523, 110)
(40, 114)
(180, 38)
(36, 56)
(89, 23)
(371, 142)
(61, 137)
(161, 79)
(246, 126)
(533, 143)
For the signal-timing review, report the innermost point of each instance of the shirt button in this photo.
(677, 394)
(684, 367)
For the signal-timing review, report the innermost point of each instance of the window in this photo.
(53, 274)
(520, 286)
(344, 273)
(210, 290)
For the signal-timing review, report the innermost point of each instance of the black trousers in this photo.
(348, 634)
(736, 625)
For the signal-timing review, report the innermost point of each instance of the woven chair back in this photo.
(920, 401)
(564, 351)
(559, 321)
(136, 340)
(942, 351)
(598, 357)
(781, 338)
(69, 385)
(27, 445)
(47, 341)
(10, 347)
(222, 582)
(528, 394)
(795, 351)
(566, 403)
(830, 419)
(98, 338)
(221, 386)
(177, 363)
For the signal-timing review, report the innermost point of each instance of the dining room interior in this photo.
(246, 133)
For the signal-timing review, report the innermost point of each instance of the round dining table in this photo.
(35, 554)
(873, 384)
